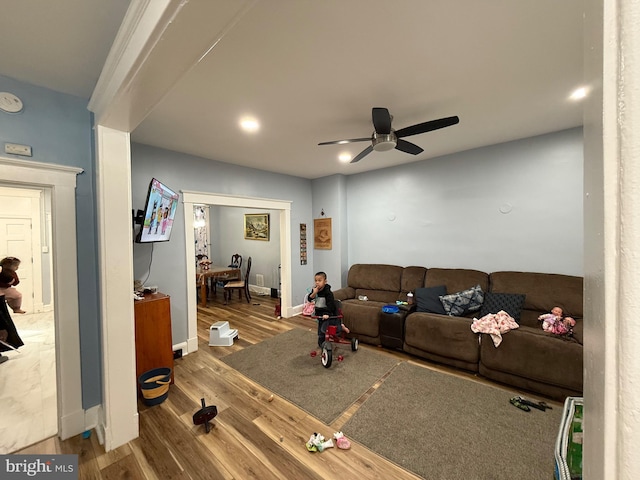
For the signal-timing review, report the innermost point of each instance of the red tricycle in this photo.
(330, 328)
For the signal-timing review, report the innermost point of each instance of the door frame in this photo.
(190, 199)
(61, 180)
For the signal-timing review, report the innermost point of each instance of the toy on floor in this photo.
(205, 415)
(317, 443)
(341, 441)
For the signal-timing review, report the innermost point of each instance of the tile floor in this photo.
(28, 385)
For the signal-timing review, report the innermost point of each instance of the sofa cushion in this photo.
(428, 299)
(509, 302)
(456, 279)
(543, 290)
(460, 303)
(412, 278)
(375, 277)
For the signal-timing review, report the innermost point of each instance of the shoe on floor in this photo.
(3, 358)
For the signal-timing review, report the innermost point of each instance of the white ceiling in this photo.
(311, 71)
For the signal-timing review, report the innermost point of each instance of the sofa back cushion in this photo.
(543, 291)
(456, 279)
(375, 277)
(412, 278)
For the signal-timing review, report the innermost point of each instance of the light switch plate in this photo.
(16, 149)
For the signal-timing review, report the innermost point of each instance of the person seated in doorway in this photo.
(8, 281)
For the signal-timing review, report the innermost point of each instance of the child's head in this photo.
(321, 280)
(557, 311)
(10, 263)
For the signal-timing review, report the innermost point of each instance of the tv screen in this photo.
(159, 212)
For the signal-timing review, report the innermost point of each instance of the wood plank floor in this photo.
(252, 437)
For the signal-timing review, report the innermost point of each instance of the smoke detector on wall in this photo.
(9, 103)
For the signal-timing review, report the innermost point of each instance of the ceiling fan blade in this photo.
(427, 126)
(381, 120)
(362, 154)
(350, 140)
(408, 147)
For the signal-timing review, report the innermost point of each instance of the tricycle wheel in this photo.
(354, 344)
(327, 354)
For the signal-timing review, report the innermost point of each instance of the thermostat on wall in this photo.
(10, 103)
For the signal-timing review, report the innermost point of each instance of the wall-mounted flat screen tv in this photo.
(159, 212)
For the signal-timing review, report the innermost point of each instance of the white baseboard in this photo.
(72, 425)
(182, 345)
(259, 290)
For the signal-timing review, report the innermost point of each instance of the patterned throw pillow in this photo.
(457, 304)
(509, 302)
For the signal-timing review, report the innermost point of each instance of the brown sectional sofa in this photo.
(528, 358)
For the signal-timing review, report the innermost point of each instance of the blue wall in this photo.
(180, 171)
(446, 212)
(58, 127)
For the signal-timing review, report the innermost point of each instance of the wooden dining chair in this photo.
(239, 285)
(236, 262)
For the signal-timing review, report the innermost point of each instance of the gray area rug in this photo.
(283, 365)
(443, 427)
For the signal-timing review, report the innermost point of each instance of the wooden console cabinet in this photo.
(154, 347)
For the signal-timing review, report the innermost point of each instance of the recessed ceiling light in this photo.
(344, 157)
(578, 93)
(249, 124)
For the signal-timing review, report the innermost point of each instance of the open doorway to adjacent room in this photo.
(40, 386)
(283, 210)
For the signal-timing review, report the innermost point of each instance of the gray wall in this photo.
(58, 127)
(445, 212)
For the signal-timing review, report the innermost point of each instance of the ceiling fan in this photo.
(386, 138)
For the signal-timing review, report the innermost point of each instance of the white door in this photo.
(15, 241)
(20, 231)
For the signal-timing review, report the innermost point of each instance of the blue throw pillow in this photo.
(428, 299)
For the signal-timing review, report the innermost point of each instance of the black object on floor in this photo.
(515, 401)
(537, 405)
(205, 415)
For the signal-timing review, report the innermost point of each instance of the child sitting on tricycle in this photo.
(326, 311)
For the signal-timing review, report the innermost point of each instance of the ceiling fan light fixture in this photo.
(384, 142)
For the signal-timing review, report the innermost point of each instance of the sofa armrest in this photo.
(345, 293)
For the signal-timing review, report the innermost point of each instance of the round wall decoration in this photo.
(10, 103)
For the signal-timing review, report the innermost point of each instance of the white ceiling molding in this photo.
(159, 41)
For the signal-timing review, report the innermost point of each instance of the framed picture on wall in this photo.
(322, 234)
(256, 226)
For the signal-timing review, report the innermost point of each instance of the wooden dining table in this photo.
(216, 273)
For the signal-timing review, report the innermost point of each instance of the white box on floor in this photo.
(220, 335)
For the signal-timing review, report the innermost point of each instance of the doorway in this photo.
(190, 199)
(61, 183)
(27, 399)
